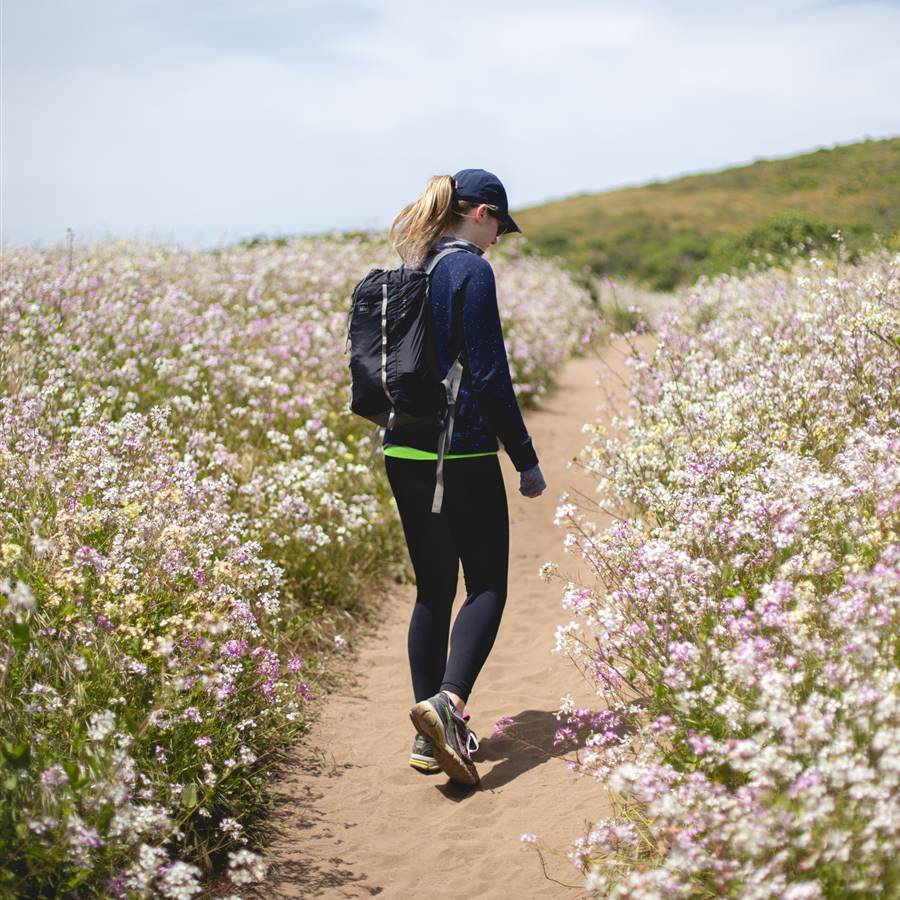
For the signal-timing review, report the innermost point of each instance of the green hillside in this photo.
(668, 233)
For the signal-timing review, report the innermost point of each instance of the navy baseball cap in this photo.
(481, 186)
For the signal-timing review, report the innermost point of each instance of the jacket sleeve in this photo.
(488, 366)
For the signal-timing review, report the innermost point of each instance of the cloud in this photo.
(211, 120)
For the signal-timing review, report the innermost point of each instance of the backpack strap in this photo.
(439, 256)
(376, 439)
(451, 386)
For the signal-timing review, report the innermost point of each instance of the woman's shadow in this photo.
(523, 744)
(519, 743)
(525, 741)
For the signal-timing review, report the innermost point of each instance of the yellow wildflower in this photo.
(9, 554)
(224, 568)
(133, 510)
(169, 494)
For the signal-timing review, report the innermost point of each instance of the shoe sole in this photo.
(425, 766)
(428, 723)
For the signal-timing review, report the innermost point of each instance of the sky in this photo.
(206, 122)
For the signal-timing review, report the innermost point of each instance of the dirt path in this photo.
(356, 821)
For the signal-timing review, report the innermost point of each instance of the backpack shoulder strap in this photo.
(439, 256)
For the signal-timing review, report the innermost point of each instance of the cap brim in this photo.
(510, 225)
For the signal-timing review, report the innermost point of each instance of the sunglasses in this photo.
(501, 225)
(495, 213)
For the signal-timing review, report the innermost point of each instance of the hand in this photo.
(531, 482)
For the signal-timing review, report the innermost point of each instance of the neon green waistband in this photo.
(401, 452)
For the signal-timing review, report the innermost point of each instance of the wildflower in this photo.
(232, 828)
(223, 690)
(137, 668)
(87, 837)
(101, 724)
(9, 553)
(179, 881)
(21, 597)
(234, 649)
(53, 776)
(42, 824)
(564, 511)
(547, 571)
(502, 726)
(246, 867)
(246, 756)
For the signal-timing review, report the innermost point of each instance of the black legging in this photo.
(473, 526)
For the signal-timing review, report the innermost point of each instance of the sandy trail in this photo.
(355, 820)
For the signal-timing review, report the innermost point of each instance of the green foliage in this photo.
(666, 234)
(778, 241)
(672, 262)
(261, 240)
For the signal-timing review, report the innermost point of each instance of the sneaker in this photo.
(422, 756)
(437, 720)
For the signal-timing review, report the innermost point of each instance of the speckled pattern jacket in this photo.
(487, 408)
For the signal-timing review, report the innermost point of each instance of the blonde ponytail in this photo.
(419, 224)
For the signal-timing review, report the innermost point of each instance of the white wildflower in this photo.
(101, 724)
(245, 867)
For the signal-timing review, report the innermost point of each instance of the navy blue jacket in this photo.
(487, 409)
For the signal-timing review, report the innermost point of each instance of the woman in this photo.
(469, 212)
